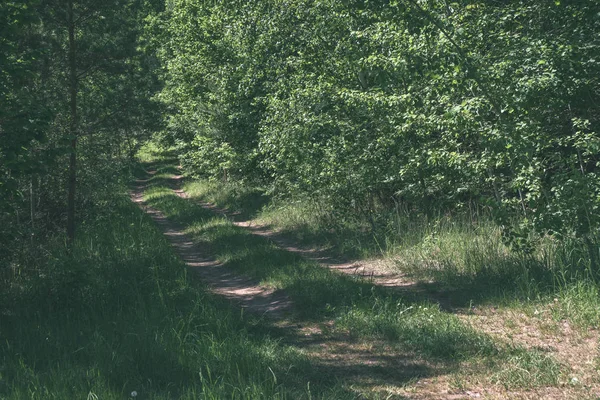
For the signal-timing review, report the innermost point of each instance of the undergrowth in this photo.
(408, 320)
(122, 315)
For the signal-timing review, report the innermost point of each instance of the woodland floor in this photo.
(374, 368)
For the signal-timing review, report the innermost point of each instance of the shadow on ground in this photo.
(318, 293)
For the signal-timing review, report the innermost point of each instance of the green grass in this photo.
(527, 369)
(122, 314)
(152, 152)
(472, 264)
(241, 199)
(463, 257)
(406, 320)
(306, 221)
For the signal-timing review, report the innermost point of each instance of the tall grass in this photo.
(308, 221)
(464, 256)
(243, 200)
(472, 262)
(122, 315)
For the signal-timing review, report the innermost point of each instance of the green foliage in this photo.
(114, 83)
(433, 105)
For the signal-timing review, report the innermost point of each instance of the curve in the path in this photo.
(375, 270)
(371, 270)
(221, 280)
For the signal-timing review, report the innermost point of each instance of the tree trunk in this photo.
(72, 128)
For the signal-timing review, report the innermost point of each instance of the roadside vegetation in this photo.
(410, 322)
(454, 145)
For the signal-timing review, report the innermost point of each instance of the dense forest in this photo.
(367, 105)
(352, 123)
(76, 90)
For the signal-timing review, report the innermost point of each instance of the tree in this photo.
(76, 83)
(101, 44)
(367, 104)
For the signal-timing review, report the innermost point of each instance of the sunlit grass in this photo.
(242, 199)
(151, 152)
(357, 306)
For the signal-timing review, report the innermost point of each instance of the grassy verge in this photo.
(464, 257)
(306, 221)
(122, 315)
(404, 319)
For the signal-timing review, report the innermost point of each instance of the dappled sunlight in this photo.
(405, 320)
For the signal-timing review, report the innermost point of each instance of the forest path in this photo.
(240, 289)
(245, 291)
(375, 270)
(368, 366)
(374, 366)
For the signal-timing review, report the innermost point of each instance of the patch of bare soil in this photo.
(577, 350)
(376, 368)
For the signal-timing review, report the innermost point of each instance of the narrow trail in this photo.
(372, 270)
(367, 366)
(373, 365)
(240, 289)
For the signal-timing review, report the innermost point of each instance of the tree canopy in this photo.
(431, 103)
(364, 104)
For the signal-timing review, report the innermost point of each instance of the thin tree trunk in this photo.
(32, 207)
(72, 128)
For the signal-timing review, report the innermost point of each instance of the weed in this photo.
(527, 369)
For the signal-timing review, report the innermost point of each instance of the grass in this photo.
(473, 260)
(411, 324)
(122, 314)
(464, 257)
(244, 200)
(305, 220)
(529, 369)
